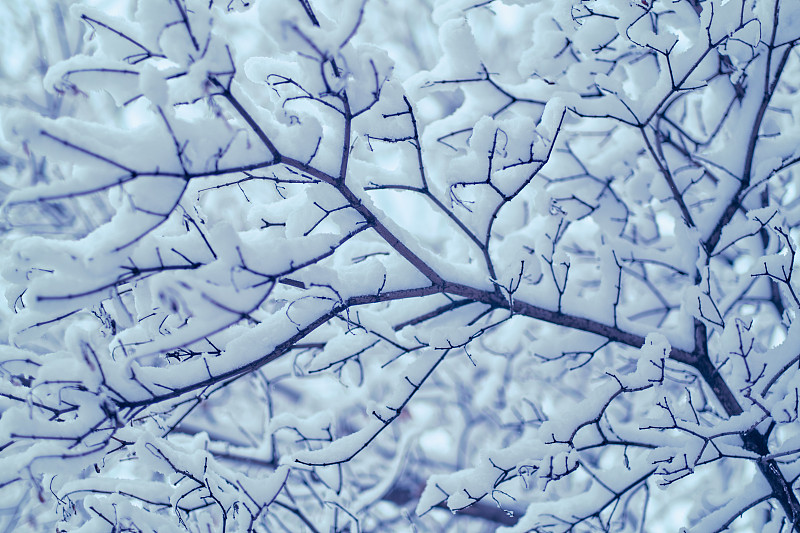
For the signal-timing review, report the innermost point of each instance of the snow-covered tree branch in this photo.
(305, 265)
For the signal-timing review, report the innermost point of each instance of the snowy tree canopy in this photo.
(339, 266)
